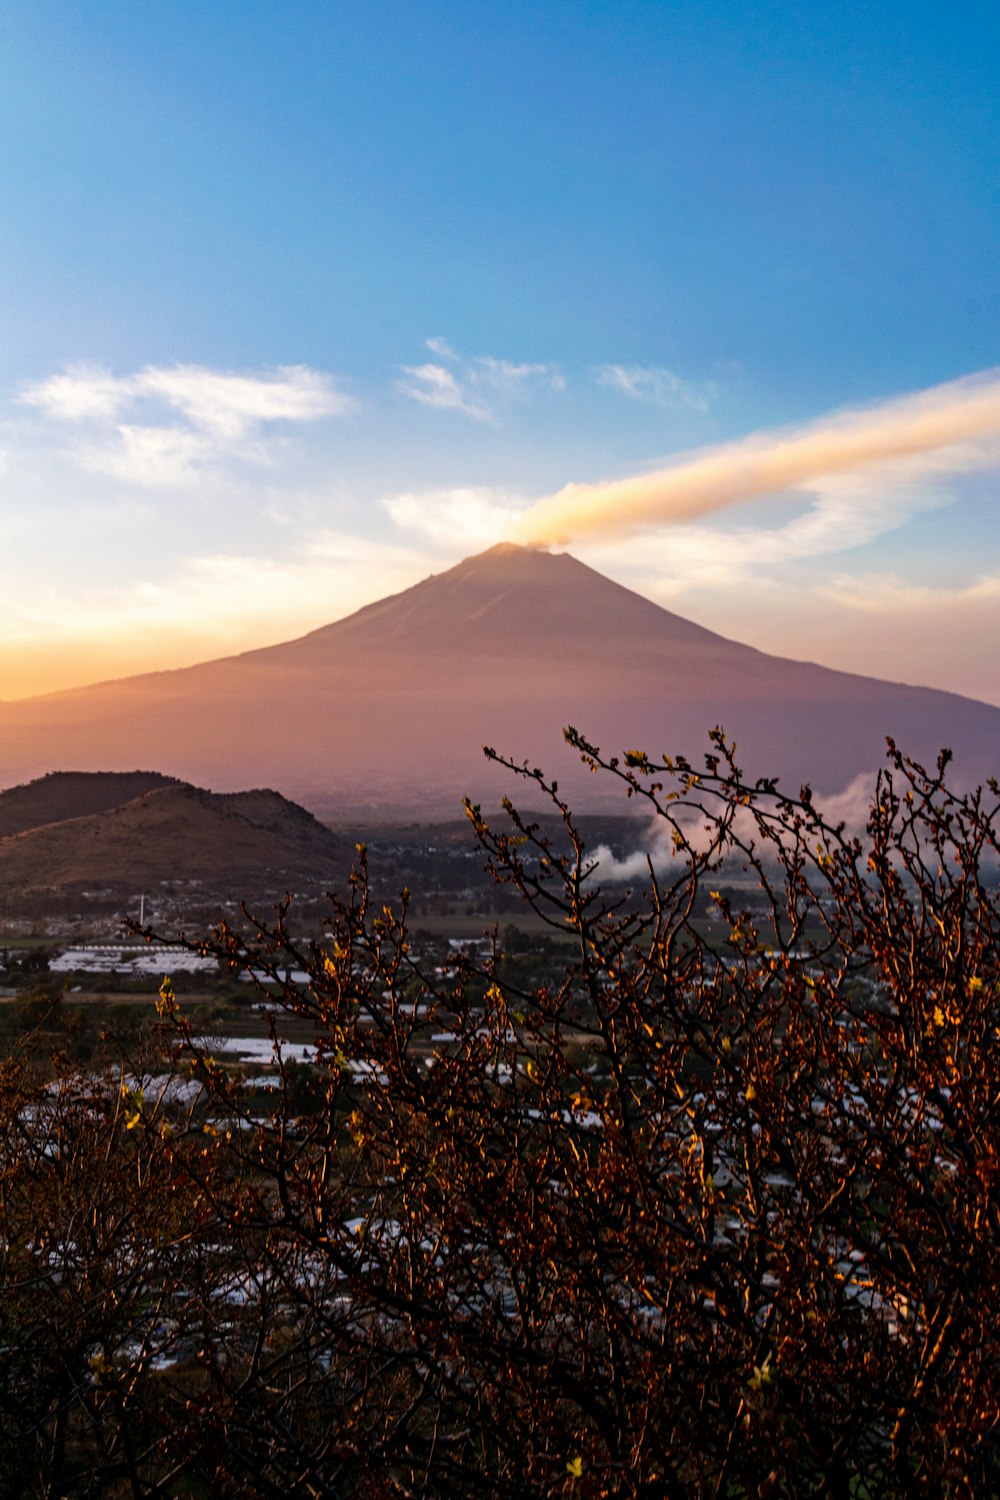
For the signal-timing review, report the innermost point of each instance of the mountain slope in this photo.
(393, 704)
(72, 794)
(175, 832)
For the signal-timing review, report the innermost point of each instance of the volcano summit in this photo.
(390, 707)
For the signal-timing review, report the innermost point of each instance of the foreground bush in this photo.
(712, 1212)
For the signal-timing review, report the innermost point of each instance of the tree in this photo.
(111, 1265)
(710, 1211)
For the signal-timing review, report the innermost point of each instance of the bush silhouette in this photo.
(710, 1211)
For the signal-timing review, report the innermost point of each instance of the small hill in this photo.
(249, 840)
(73, 794)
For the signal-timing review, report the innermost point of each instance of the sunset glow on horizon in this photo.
(296, 315)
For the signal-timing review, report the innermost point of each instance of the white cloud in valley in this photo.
(655, 851)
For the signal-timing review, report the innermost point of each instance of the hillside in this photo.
(72, 794)
(389, 708)
(173, 833)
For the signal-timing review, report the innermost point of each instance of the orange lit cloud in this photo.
(949, 416)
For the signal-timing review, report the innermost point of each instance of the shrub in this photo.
(709, 1210)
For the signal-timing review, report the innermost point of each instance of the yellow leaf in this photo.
(763, 1376)
(167, 1003)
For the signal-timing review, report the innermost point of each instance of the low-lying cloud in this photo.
(961, 416)
(850, 808)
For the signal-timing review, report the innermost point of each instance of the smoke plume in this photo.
(946, 416)
(850, 808)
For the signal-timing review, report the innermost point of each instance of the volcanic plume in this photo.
(961, 418)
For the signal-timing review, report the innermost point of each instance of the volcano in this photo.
(387, 710)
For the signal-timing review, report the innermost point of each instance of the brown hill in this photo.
(389, 708)
(176, 832)
(72, 794)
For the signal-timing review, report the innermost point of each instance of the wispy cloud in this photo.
(656, 386)
(463, 519)
(434, 385)
(835, 515)
(944, 633)
(230, 405)
(166, 453)
(80, 393)
(772, 586)
(960, 420)
(181, 417)
(885, 594)
(474, 386)
(167, 456)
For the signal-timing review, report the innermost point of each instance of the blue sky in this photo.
(303, 301)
